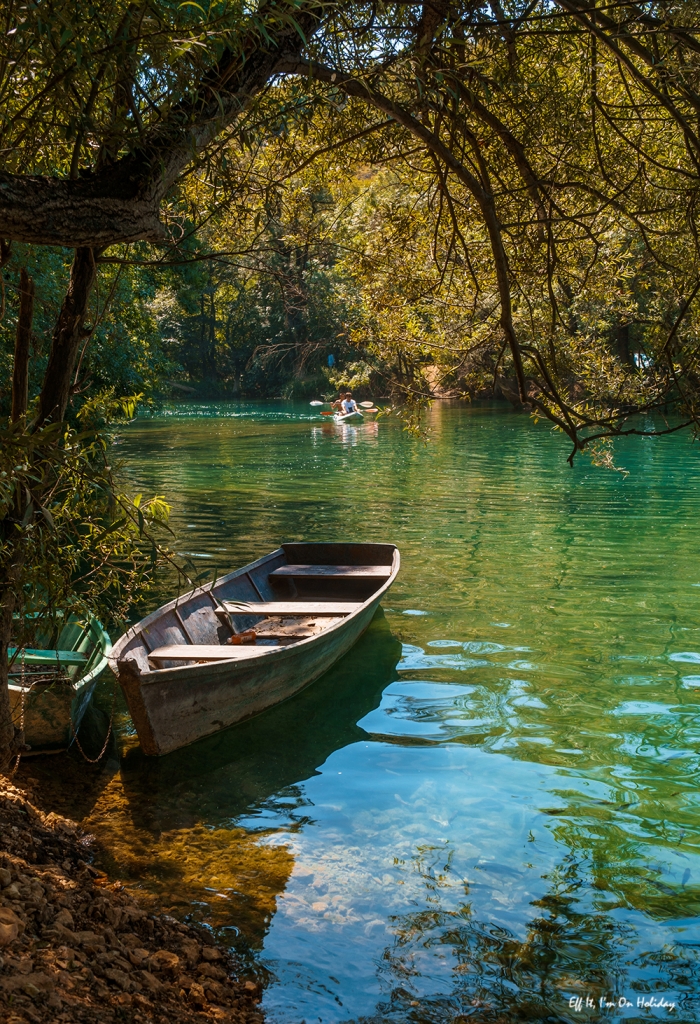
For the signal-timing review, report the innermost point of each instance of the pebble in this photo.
(76, 948)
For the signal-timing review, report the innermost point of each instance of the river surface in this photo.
(490, 807)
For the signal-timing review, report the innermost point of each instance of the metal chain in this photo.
(22, 714)
(90, 760)
(94, 760)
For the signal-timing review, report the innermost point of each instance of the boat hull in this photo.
(349, 417)
(177, 705)
(169, 712)
(51, 714)
(51, 711)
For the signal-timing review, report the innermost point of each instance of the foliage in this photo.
(473, 197)
(71, 541)
(274, 305)
(123, 348)
(450, 198)
(354, 376)
(94, 79)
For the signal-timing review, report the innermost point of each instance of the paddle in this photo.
(369, 406)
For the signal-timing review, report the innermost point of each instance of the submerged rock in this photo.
(76, 948)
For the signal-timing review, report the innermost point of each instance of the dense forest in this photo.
(261, 319)
(451, 199)
(325, 222)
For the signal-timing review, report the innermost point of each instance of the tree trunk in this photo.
(622, 343)
(58, 211)
(8, 599)
(20, 374)
(120, 201)
(67, 335)
(207, 338)
(211, 348)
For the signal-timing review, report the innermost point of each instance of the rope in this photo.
(94, 760)
(90, 760)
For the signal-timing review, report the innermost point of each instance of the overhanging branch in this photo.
(120, 201)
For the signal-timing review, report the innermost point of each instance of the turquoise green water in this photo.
(491, 806)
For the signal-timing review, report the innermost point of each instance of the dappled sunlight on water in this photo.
(491, 804)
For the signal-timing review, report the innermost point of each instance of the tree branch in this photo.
(483, 196)
(119, 202)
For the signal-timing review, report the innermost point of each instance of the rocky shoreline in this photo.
(75, 947)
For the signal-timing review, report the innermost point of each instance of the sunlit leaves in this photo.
(77, 83)
(71, 539)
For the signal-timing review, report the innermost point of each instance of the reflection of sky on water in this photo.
(516, 815)
(358, 868)
(406, 851)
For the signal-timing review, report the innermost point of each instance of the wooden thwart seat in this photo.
(210, 652)
(63, 658)
(332, 572)
(294, 608)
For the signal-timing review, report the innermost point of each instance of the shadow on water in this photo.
(242, 768)
(168, 825)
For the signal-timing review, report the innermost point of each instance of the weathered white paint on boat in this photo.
(176, 704)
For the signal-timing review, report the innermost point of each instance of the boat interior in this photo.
(62, 652)
(294, 593)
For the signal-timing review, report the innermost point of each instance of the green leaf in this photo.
(115, 526)
(48, 517)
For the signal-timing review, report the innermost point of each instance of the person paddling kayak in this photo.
(348, 404)
(337, 406)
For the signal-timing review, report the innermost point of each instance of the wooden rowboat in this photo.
(51, 684)
(185, 671)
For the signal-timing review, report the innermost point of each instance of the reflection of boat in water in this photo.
(221, 776)
(176, 825)
(228, 651)
(51, 684)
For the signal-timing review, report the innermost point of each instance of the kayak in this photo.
(347, 417)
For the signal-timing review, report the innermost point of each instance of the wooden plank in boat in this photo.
(175, 701)
(32, 657)
(209, 652)
(332, 572)
(291, 607)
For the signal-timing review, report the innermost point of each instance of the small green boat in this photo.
(51, 685)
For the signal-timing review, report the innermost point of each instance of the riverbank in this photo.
(76, 947)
